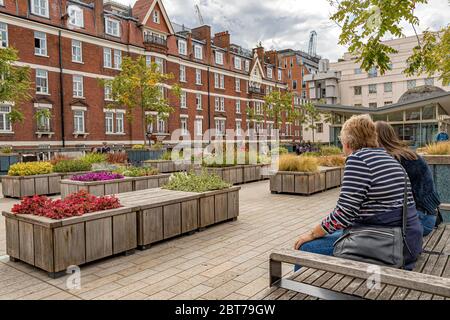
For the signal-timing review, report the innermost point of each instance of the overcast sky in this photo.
(281, 24)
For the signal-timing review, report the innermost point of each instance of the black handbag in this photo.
(376, 245)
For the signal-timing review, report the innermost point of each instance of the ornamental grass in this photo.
(437, 149)
(298, 164)
(332, 161)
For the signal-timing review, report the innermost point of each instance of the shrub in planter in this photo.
(6, 150)
(117, 158)
(298, 164)
(332, 161)
(59, 157)
(97, 176)
(92, 158)
(330, 151)
(137, 172)
(157, 146)
(138, 147)
(167, 156)
(76, 204)
(437, 149)
(66, 166)
(30, 169)
(281, 151)
(190, 182)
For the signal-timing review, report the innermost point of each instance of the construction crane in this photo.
(199, 15)
(312, 50)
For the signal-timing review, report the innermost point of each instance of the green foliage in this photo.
(92, 158)
(330, 151)
(281, 151)
(311, 116)
(6, 150)
(137, 172)
(278, 105)
(138, 147)
(166, 156)
(65, 166)
(365, 23)
(190, 182)
(157, 146)
(30, 168)
(15, 84)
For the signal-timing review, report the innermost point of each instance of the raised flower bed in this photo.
(168, 166)
(105, 183)
(239, 174)
(53, 235)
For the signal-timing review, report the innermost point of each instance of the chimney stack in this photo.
(222, 40)
(98, 12)
(260, 52)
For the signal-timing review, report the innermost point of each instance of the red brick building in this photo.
(70, 44)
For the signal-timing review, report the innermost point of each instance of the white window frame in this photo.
(220, 126)
(238, 106)
(222, 104)
(38, 9)
(160, 125)
(109, 122)
(156, 16)
(217, 104)
(219, 58)
(77, 51)
(198, 52)
(280, 75)
(5, 122)
(238, 127)
(43, 75)
(42, 38)
(183, 100)
(108, 92)
(247, 65)
(198, 101)
(238, 84)
(76, 16)
(198, 76)
(216, 81)
(107, 57)
(3, 35)
(237, 63)
(222, 81)
(198, 127)
(269, 73)
(182, 73)
(120, 122)
(109, 29)
(184, 125)
(182, 47)
(117, 59)
(78, 86)
(79, 122)
(43, 122)
(160, 63)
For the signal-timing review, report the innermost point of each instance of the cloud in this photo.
(282, 24)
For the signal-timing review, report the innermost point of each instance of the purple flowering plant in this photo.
(97, 176)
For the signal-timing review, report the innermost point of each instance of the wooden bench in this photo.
(331, 278)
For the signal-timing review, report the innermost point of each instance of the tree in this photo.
(311, 116)
(139, 86)
(365, 23)
(15, 84)
(278, 104)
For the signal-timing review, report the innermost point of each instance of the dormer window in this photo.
(182, 47)
(269, 73)
(40, 8)
(219, 58)
(112, 27)
(198, 51)
(237, 63)
(156, 16)
(76, 17)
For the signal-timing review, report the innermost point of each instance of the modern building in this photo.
(70, 44)
(344, 86)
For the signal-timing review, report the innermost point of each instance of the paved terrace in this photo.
(228, 261)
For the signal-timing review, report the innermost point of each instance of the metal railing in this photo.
(152, 39)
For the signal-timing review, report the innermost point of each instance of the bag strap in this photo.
(405, 214)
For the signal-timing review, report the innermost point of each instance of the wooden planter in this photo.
(440, 167)
(168, 166)
(55, 245)
(102, 188)
(239, 174)
(45, 184)
(139, 156)
(165, 214)
(306, 183)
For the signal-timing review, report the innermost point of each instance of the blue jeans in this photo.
(323, 246)
(428, 222)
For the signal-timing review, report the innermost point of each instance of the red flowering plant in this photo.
(74, 205)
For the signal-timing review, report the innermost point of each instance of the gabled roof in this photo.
(257, 63)
(143, 9)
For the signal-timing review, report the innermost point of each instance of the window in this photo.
(107, 58)
(373, 105)
(410, 84)
(238, 127)
(372, 88)
(269, 73)
(182, 47)
(77, 51)
(219, 104)
(222, 81)
(238, 106)
(373, 73)
(41, 81)
(120, 122)
(184, 126)
(78, 121)
(183, 100)
(198, 101)
(117, 59)
(258, 109)
(219, 58)
(108, 92)
(161, 126)
(3, 35)
(237, 63)
(109, 122)
(198, 76)
(280, 74)
(290, 74)
(220, 126)
(40, 8)
(294, 85)
(247, 65)
(160, 63)
(112, 27)
(238, 85)
(198, 127)
(76, 16)
(40, 43)
(320, 128)
(429, 82)
(386, 103)
(5, 123)
(388, 87)
(198, 52)
(78, 86)
(182, 73)
(358, 71)
(216, 80)
(358, 90)
(43, 123)
(156, 16)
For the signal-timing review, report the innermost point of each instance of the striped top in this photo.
(374, 182)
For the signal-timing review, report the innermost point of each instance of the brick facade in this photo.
(142, 32)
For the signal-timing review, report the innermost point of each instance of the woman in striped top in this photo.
(372, 194)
